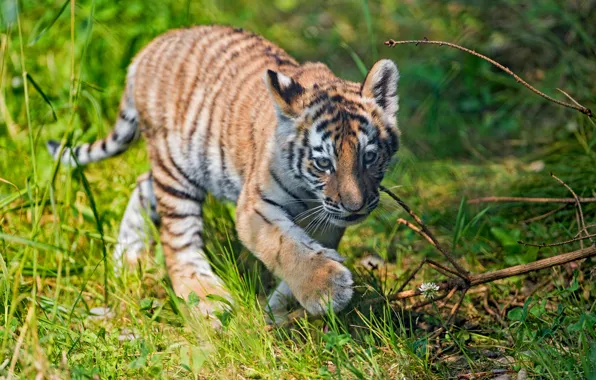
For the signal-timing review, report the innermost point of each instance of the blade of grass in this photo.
(50, 24)
(369, 26)
(43, 95)
(99, 226)
(357, 60)
(32, 243)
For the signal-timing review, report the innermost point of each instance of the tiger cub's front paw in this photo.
(329, 284)
(202, 287)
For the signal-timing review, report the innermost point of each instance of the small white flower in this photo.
(429, 289)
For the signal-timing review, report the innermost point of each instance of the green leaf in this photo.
(193, 299)
(515, 314)
(215, 297)
(459, 224)
(146, 304)
(506, 238)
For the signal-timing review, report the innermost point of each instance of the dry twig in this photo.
(461, 271)
(544, 216)
(576, 106)
(578, 205)
(580, 238)
(529, 200)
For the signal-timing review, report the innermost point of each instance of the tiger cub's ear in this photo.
(285, 92)
(380, 84)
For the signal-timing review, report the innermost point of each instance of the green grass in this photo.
(468, 130)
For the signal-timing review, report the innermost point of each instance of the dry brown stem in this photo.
(529, 200)
(578, 205)
(543, 216)
(483, 278)
(576, 106)
(461, 271)
(542, 245)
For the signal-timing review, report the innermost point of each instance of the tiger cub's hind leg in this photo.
(180, 209)
(135, 236)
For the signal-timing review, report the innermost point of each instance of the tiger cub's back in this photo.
(206, 85)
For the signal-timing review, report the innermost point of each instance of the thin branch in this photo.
(415, 229)
(517, 270)
(577, 106)
(529, 200)
(578, 204)
(545, 215)
(586, 229)
(435, 243)
(558, 243)
(483, 278)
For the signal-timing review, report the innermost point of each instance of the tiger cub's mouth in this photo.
(348, 219)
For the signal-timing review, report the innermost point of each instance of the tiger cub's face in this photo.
(337, 137)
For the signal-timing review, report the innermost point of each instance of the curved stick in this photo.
(576, 106)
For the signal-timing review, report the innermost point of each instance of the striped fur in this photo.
(300, 151)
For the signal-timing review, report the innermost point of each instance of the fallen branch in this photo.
(483, 278)
(529, 200)
(575, 106)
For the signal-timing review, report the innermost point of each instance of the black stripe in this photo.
(346, 102)
(179, 169)
(180, 248)
(277, 180)
(175, 192)
(326, 135)
(178, 215)
(128, 138)
(321, 111)
(325, 123)
(309, 171)
(381, 87)
(209, 136)
(103, 146)
(318, 99)
(210, 41)
(197, 233)
(128, 119)
(309, 193)
(291, 155)
(300, 158)
(226, 182)
(360, 118)
(274, 203)
(263, 217)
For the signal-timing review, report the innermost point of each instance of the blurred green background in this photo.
(452, 104)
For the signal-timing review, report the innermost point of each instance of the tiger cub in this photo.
(300, 151)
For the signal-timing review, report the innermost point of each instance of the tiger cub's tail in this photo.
(120, 139)
(124, 134)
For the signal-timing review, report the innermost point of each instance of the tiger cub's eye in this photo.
(323, 164)
(370, 157)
